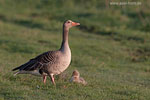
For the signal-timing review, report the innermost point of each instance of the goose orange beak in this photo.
(75, 24)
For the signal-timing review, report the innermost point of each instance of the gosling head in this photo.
(75, 73)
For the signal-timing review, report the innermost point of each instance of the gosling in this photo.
(76, 78)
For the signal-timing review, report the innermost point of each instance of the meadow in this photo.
(110, 49)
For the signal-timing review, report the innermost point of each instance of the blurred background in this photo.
(95, 15)
(111, 48)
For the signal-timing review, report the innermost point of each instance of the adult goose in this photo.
(52, 62)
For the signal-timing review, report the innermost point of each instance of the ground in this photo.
(110, 49)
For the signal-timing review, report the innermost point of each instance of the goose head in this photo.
(68, 24)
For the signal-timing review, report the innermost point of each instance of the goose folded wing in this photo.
(38, 62)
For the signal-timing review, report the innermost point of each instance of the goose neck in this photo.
(65, 38)
(65, 35)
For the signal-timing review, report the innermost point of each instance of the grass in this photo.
(110, 49)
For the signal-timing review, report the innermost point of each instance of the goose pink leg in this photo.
(44, 79)
(52, 79)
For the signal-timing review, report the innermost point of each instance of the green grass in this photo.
(110, 49)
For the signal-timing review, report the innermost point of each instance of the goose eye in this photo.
(68, 22)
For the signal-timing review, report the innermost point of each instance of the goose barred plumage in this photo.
(52, 62)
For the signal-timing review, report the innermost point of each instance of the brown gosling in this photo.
(76, 78)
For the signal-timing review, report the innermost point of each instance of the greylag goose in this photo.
(52, 62)
(76, 78)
